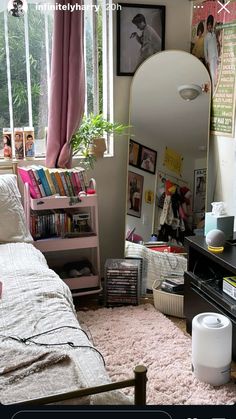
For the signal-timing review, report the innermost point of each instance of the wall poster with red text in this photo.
(213, 41)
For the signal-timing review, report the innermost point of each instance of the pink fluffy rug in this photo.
(132, 335)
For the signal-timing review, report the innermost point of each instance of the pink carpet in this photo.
(128, 336)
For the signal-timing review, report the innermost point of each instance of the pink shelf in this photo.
(82, 285)
(87, 292)
(57, 202)
(82, 282)
(55, 244)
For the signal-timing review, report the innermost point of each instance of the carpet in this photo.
(132, 335)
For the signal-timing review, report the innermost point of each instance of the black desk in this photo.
(203, 282)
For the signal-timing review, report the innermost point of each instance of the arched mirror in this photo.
(169, 113)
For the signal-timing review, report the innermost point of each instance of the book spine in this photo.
(67, 177)
(64, 183)
(75, 186)
(56, 186)
(50, 183)
(39, 182)
(86, 181)
(34, 184)
(60, 184)
(78, 181)
(81, 178)
(44, 182)
(72, 183)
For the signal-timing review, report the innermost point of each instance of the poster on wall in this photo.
(135, 192)
(199, 195)
(213, 41)
(173, 161)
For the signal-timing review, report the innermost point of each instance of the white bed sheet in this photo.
(34, 300)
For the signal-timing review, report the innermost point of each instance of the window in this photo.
(98, 44)
(25, 56)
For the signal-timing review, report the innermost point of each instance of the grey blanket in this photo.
(31, 371)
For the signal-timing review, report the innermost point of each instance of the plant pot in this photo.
(99, 147)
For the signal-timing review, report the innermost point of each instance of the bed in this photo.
(45, 356)
(155, 264)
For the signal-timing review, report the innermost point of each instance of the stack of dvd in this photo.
(122, 281)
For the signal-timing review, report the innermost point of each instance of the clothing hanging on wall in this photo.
(175, 218)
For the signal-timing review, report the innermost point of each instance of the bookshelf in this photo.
(46, 211)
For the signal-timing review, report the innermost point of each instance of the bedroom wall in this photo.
(222, 167)
(110, 173)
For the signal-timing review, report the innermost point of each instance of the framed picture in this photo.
(149, 197)
(199, 194)
(148, 158)
(134, 151)
(140, 34)
(135, 192)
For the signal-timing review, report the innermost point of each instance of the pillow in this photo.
(13, 226)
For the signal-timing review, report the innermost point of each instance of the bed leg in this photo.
(140, 373)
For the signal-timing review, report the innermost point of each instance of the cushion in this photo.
(13, 226)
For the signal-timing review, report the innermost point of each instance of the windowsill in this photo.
(38, 160)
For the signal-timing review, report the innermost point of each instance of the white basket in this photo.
(168, 303)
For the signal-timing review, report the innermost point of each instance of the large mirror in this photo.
(171, 132)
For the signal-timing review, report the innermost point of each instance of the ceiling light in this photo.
(189, 91)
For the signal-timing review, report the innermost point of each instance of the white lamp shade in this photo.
(189, 91)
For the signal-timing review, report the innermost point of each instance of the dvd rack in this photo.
(122, 282)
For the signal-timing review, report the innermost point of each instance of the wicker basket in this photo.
(167, 303)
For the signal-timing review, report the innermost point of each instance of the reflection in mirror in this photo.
(168, 147)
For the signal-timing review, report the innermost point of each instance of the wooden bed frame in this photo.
(138, 381)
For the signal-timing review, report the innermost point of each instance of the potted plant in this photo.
(88, 139)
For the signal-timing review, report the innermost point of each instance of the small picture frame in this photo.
(148, 159)
(135, 193)
(149, 197)
(134, 152)
(140, 34)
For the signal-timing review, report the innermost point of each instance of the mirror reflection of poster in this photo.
(199, 195)
(213, 42)
(173, 161)
(134, 148)
(135, 192)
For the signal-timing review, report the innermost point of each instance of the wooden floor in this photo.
(93, 302)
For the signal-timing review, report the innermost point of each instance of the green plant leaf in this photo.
(91, 127)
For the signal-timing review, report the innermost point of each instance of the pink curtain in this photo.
(67, 92)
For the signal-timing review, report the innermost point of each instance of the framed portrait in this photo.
(135, 193)
(140, 34)
(134, 152)
(148, 158)
(199, 194)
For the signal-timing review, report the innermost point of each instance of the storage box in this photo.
(169, 249)
(224, 223)
(229, 286)
(168, 303)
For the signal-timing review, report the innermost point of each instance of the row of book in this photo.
(45, 182)
(56, 223)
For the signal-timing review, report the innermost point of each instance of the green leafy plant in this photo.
(93, 127)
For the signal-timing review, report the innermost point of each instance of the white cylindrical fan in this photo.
(212, 348)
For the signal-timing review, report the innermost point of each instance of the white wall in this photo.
(110, 173)
(221, 183)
